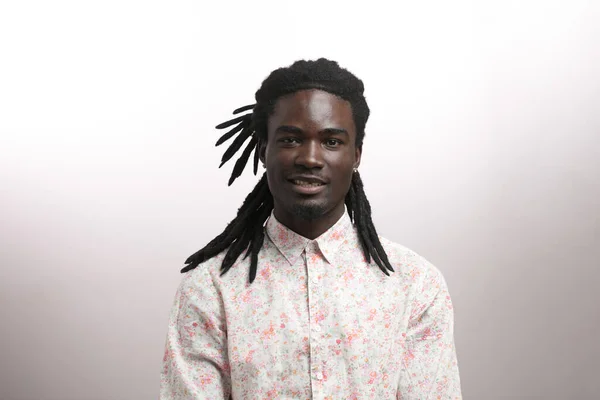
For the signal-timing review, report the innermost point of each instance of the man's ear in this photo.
(357, 156)
(262, 150)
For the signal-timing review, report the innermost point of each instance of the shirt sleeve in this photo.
(430, 363)
(195, 363)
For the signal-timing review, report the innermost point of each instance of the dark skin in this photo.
(311, 135)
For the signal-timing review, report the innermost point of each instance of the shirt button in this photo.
(315, 280)
(319, 375)
(317, 328)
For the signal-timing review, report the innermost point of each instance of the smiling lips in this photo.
(307, 184)
(305, 179)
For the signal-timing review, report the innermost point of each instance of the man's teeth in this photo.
(308, 184)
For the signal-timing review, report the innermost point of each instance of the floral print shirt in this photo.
(319, 322)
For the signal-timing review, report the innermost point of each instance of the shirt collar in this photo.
(291, 244)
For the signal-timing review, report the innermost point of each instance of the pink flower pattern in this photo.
(317, 323)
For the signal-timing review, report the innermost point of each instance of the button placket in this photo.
(312, 267)
(311, 252)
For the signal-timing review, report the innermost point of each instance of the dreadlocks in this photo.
(246, 231)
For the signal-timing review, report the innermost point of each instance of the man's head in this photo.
(307, 126)
(310, 120)
(310, 154)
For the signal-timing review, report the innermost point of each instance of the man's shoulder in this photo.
(400, 253)
(205, 272)
(209, 272)
(409, 263)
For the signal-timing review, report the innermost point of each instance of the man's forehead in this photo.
(313, 103)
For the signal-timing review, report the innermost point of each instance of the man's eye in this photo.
(333, 142)
(288, 140)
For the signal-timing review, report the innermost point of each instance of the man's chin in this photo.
(308, 211)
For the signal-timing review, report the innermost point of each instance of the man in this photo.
(299, 297)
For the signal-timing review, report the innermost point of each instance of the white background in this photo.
(482, 154)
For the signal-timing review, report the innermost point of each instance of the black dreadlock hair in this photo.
(246, 230)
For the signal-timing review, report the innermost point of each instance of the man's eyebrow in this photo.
(297, 131)
(334, 131)
(289, 129)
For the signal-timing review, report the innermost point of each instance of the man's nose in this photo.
(310, 155)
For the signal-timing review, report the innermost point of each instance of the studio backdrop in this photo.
(482, 154)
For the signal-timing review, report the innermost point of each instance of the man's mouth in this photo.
(306, 183)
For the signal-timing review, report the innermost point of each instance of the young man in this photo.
(299, 297)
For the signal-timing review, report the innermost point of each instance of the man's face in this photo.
(310, 154)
